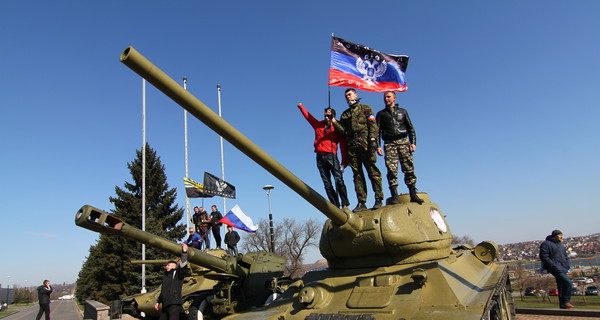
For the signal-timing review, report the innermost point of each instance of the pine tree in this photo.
(107, 273)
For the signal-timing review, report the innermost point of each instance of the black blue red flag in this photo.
(360, 67)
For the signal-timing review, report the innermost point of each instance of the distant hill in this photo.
(583, 246)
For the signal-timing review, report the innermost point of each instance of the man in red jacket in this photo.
(326, 144)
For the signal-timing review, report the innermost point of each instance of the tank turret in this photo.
(236, 282)
(395, 262)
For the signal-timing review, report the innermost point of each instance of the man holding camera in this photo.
(326, 143)
(359, 125)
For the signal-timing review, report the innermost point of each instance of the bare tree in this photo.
(292, 239)
(297, 238)
(463, 240)
(259, 240)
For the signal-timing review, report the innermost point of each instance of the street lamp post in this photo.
(268, 189)
(8, 291)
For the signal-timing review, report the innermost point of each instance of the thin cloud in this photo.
(43, 235)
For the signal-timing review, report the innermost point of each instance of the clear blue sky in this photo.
(504, 98)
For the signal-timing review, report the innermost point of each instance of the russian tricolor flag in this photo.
(238, 219)
(357, 66)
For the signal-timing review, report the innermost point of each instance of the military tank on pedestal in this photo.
(219, 284)
(395, 262)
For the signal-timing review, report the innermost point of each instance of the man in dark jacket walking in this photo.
(554, 259)
(170, 289)
(44, 292)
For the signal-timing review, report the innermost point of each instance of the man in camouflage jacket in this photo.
(360, 128)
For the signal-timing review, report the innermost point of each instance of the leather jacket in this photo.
(394, 123)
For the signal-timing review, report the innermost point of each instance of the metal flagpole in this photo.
(329, 87)
(224, 211)
(143, 181)
(185, 143)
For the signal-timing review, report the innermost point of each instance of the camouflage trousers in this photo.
(357, 158)
(399, 150)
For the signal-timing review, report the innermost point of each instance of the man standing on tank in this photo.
(170, 288)
(360, 128)
(202, 221)
(215, 216)
(326, 145)
(555, 260)
(44, 292)
(400, 141)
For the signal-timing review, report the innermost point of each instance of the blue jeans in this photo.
(329, 165)
(565, 288)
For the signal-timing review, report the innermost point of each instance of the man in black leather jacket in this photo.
(44, 292)
(400, 141)
(170, 292)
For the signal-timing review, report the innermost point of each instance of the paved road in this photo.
(59, 310)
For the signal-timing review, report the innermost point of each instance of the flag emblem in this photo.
(357, 66)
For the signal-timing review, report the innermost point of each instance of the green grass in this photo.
(580, 302)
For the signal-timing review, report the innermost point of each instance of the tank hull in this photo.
(459, 287)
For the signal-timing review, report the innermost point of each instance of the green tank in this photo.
(396, 262)
(196, 288)
(218, 284)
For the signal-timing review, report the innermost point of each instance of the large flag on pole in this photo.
(217, 187)
(194, 189)
(357, 66)
(238, 219)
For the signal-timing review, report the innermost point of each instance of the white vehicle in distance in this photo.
(585, 280)
(66, 297)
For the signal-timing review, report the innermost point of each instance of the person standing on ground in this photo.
(555, 260)
(44, 292)
(400, 141)
(170, 288)
(326, 145)
(215, 216)
(360, 128)
(231, 240)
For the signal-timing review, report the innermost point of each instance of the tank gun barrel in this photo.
(142, 66)
(99, 221)
(159, 261)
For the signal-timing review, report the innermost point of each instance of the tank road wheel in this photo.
(198, 306)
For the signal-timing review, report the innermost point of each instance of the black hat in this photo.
(172, 261)
(556, 232)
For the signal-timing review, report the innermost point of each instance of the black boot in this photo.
(360, 207)
(412, 190)
(394, 198)
(377, 204)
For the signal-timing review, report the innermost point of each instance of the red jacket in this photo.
(325, 142)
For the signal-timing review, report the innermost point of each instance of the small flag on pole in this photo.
(194, 189)
(357, 66)
(238, 219)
